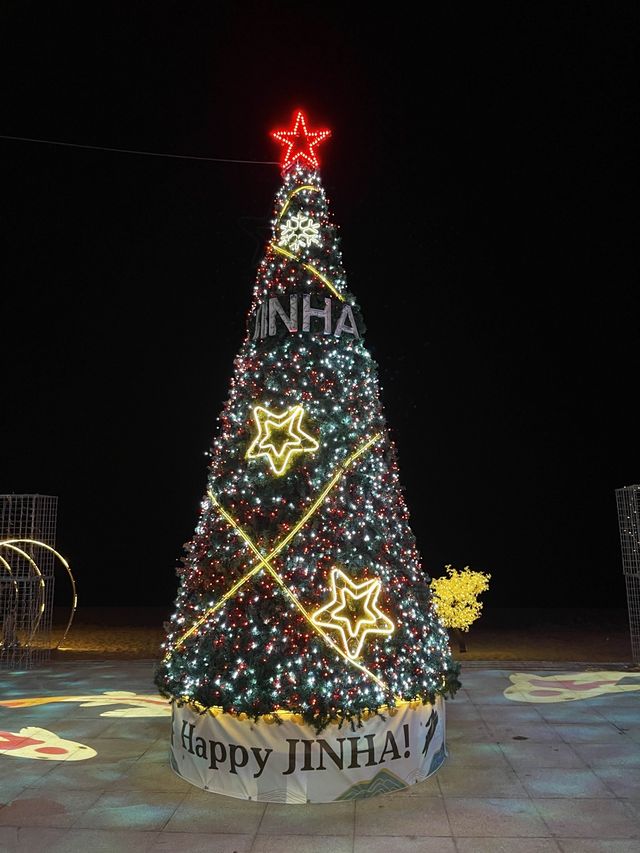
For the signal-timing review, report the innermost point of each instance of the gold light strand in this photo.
(324, 280)
(283, 210)
(284, 252)
(213, 609)
(264, 562)
(278, 547)
(309, 267)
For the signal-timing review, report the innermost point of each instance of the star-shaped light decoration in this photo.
(300, 143)
(353, 612)
(280, 437)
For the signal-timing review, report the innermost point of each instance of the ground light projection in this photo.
(569, 686)
(40, 744)
(301, 592)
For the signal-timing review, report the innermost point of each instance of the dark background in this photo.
(482, 171)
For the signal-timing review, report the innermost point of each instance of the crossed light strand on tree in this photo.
(264, 562)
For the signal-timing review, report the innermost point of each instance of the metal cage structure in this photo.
(628, 502)
(26, 579)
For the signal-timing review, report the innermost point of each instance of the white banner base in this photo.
(288, 762)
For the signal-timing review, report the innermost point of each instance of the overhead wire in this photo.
(142, 153)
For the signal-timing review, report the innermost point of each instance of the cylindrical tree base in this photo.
(287, 762)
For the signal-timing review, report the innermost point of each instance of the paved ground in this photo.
(525, 776)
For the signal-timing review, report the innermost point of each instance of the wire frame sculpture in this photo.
(628, 502)
(27, 572)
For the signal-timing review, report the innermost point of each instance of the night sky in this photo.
(481, 170)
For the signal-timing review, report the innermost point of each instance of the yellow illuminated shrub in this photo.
(455, 596)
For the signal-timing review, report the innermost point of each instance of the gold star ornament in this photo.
(280, 437)
(353, 612)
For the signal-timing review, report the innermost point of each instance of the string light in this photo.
(309, 267)
(264, 561)
(294, 192)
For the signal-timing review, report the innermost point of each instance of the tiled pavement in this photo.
(521, 777)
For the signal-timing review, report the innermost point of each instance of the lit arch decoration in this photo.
(13, 545)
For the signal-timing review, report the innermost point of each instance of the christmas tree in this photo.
(302, 588)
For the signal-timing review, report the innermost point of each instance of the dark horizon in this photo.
(479, 171)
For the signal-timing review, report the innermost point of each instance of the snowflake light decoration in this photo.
(300, 232)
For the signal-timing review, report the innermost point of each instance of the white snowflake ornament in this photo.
(300, 232)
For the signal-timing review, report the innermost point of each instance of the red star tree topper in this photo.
(300, 143)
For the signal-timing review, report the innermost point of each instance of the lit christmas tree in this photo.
(302, 590)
